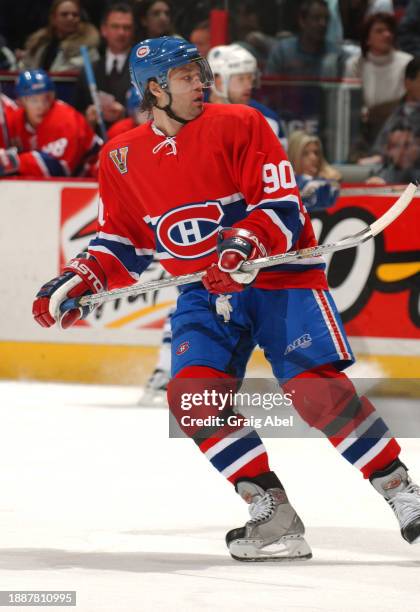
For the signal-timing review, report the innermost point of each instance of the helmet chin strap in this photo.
(168, 110)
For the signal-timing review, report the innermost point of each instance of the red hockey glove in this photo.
(234, 246)
(81, 276)
(9, 161)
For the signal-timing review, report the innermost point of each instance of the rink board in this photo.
(376, 288)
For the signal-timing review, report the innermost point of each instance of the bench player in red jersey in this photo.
(48, 138)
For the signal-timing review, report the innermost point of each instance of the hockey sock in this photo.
(200, 399)
(327, 400)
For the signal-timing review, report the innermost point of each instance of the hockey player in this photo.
(48, 137)
(235, 76)
(206, 187)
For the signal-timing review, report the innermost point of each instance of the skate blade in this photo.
(287, 548)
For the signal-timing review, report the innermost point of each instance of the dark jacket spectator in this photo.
(309, 53)
(111, 70)
(56, 48)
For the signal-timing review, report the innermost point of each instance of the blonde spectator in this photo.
(56, 48)
(317, 180)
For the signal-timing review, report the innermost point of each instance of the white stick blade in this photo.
(400, 205)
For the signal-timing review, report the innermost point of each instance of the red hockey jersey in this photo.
(62, 145)
(168, 196)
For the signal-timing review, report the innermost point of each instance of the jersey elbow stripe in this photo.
(277, 221)
(123, 240)
(127, 254)
(291, 199)
(133, 268)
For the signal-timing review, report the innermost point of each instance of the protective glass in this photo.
(186, 78)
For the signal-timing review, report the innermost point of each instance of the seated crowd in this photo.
(373, 41)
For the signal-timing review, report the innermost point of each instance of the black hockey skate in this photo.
(403, 495)
(275, 531)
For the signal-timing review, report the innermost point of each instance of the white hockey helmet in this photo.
(227, 60)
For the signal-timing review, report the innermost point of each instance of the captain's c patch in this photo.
(119, 157)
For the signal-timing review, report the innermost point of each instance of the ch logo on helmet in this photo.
(119, 157)
(143, 51)
(190, 231)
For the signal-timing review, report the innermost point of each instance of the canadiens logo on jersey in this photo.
(119, 157)
(190, 231)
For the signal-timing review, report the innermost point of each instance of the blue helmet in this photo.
(32, 82)
(133, 100)
(154, 57)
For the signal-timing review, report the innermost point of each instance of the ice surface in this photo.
(95, 498)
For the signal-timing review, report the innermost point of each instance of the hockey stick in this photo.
(264, 262)
(93, 88)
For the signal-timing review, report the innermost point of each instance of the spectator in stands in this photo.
(111, 70)
(381, 68)
(407, 112)
(153, 19)
(47, 136)
(56, 48)
(308, 53)
(317, 180)
(200, 37)
(401, 160)
(254, 26)
(409, 28)
(380, 65)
